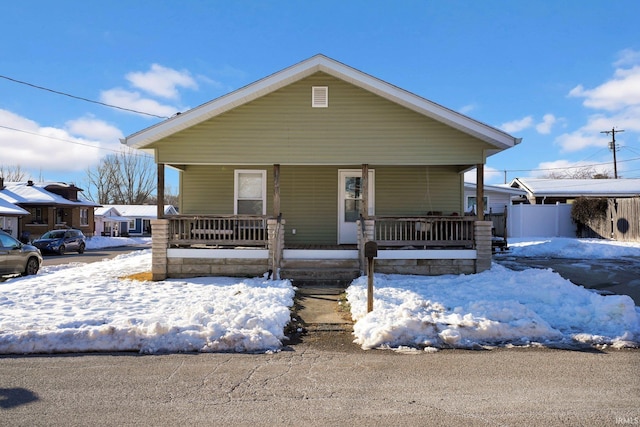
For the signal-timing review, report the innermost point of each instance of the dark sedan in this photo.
(61, 241)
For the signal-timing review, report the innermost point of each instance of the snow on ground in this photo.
(93, 307)
(499, 307)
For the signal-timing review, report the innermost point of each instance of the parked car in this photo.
(17, 257)
(61, 241)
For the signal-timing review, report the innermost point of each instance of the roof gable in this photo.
(320, 63)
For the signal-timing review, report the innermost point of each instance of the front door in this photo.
(349, 202)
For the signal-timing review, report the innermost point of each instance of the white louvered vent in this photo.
(320, 96)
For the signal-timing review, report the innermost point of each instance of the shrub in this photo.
(586, 209)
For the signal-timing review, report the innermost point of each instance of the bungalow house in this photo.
(9, 215)
(49, 205)
(294, 175)
(130, 220)
(541, 191)
(109, 222)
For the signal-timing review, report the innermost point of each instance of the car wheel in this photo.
(62, 250)
(32, 267)
(81, 248)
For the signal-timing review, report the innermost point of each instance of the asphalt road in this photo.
(620, 276)
(90, 255)
(324, 380)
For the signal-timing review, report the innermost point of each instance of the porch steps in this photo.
(328, 272)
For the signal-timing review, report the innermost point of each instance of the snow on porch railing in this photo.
(218, 230)
(428, 231)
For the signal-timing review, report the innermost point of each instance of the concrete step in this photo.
(338, 276)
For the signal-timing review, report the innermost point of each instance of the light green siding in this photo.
(309, 195)
(358, 127)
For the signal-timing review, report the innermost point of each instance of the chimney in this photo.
(30, 183)
(1, 183)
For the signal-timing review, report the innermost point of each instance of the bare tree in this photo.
(126, 178)
(13, 173)
(586, 172)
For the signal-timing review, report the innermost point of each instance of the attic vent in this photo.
(320, 96)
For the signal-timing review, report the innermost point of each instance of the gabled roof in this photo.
(9, 209)
(141, 211)
(541, 187)
(501, 188)
(28, 193)
(321, 63)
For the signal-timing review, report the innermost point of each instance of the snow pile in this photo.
(92, 307)
(498, 307)
(561, 247)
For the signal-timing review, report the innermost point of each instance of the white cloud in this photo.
(162, 81)
(44, 148)
(468, 108)
(627, 57)
(95, 129)
(134, 101)
(544, 127)
(623, 90)
(517, 125)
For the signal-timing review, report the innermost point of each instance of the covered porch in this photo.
(254, 245)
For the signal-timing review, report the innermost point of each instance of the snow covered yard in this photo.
(499, 307)
(94, 307)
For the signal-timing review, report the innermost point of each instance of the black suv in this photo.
(61, 241)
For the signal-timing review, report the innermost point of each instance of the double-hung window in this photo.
(250, 192)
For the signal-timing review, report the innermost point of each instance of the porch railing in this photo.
(429, 231)
(218, 230)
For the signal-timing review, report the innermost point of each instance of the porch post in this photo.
(482, 231)
(159, 247)
(480, 192)
(160, 190)
(364, 208)
(275, 232)
(276, 190)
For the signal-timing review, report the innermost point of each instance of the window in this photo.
(84, 216)
(250, 192)
(472, 201)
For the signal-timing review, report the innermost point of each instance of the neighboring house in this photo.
(496, 197)
(135, 220)
(540, 191)
(545, 209)
(109, 221)
(49, 205)
(9, 215)
(296, 172)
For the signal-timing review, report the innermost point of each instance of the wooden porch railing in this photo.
(218, 230)
(429, 231)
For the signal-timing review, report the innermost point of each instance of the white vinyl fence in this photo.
(540, 221)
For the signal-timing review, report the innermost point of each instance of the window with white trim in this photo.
(250, 191)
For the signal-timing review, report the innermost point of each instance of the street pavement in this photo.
(324, 379)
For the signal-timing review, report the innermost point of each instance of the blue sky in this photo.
(556, 73)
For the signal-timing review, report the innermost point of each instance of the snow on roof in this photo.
(30, 193)
(320, 63)
(141, 211)
(9, 209)
(500, 188)
(579, 187)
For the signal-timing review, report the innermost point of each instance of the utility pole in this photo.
(612, 146)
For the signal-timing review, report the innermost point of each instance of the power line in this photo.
(81, 98)
(69, 141)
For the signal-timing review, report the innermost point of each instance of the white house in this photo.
(133, 220)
